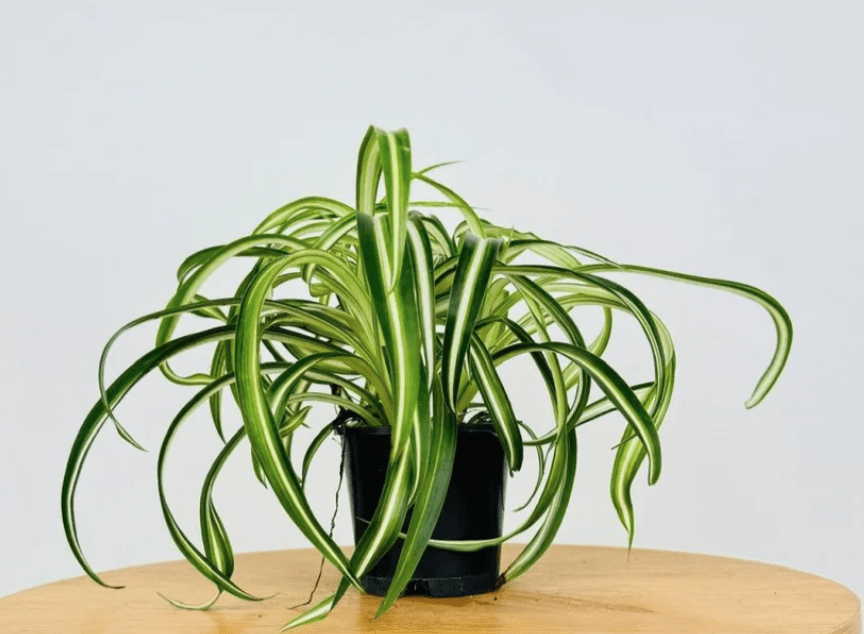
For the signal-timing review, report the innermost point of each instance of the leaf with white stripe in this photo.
(466, 298)
(781, 319)
(421, 258)
(434, 482)
(258, 419)
(541, 542)
(396, 311)
(498, 402)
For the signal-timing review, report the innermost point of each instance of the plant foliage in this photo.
(401, 323)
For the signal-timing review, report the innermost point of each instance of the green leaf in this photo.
(421, 440)
(628, 301)
(189, 288)
(599, 408)
(421, 259)
(466, 297)
(558, 254)
(319, 206)
(99, 414)
(468, 212)
(222, 352)
(369, 171)
(198, 259)
(782, 321)
(313, 448)
(613, 386)
(382, 533)
(215, 563)
(598, 347)
(536, 298)
(217, 368)
(395, 152)
(541, 467)
(495, 396)
(258, 419)
(630, 453)
(397, 315)
(435, 481)
(540, 543)
(217, 546)
(439, 237)
(115, 393)
(436, 166)
(520, 334)
(329, 238)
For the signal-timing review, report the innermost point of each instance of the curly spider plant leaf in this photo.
(421, 442)
(627, 462)
(189, 288)
(546, 499)
(328, 239)
(615, 388)
(313, 448)
(624, 401)
(471, 218)
(215, 565)
(540, 302)
(387, 153)
(572, 375)
(541, 542)
(382, 533)
(392, 506)
(219, 361)
(520, 334)
(629, 456)
(619, 394)
(196, 307)
(495, 397)
(218, 366)
(258, 419)
(466, 297)
(99, 414)
(202, 257)
(599, 408)
(421, 258)
(396, 313)
(439, 237)
(217, 546)
(302, 209)
(494, 306)
(541, 467)
(435, 480)
(781, 319)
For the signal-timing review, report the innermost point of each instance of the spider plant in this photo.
(400, 322)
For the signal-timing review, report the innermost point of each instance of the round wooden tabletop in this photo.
(572, 589)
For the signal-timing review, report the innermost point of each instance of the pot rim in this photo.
(384, 430)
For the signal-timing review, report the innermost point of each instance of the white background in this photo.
(720, 138)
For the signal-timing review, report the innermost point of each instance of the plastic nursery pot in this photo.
(473, 509)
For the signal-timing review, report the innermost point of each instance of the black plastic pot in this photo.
(473, 509)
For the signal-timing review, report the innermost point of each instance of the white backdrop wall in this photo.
(721, 138)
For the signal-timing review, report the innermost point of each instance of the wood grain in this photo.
(572, 589)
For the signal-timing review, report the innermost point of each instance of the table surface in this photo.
(572, 589)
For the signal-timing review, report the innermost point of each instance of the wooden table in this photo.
(572, 589)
